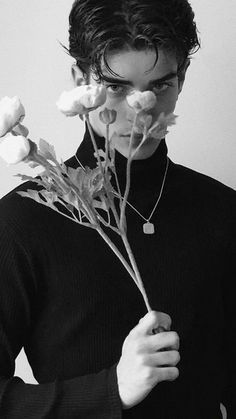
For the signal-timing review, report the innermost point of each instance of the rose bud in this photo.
(142, 101)
(108, 116)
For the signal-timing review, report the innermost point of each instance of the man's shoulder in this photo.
(17, 211)
(202, 182)
(204, 193)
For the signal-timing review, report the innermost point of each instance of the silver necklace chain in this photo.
(148, 228)
(158, 199)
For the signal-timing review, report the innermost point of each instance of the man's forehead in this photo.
(134, 65)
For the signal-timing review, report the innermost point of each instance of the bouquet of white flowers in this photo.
(86, 195)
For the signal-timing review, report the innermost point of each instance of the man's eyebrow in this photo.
(115, 80)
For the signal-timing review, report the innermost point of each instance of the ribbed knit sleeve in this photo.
(229, 295)
(89, 396)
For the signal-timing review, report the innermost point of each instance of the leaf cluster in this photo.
(80, 189)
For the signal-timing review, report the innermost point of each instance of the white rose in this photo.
(11, 113)
(81, 100)
(14, 148)
(142, 101)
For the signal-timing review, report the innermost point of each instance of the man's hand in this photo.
(146, 360)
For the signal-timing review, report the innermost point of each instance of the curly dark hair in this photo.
(97, 27)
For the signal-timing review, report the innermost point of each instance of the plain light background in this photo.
(35, 67)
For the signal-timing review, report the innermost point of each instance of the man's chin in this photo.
(137, 139)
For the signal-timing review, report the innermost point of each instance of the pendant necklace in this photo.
(148, 227)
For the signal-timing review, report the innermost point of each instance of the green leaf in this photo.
(47, 150)
(30, 193)
(101, 154)
(33, 164)
(93, 182)
(26, 178)
(49, 196)
(100, 204)
(76, 176)
(72, 199)
(47, 201)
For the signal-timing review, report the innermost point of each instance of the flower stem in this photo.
(117, 253)
(109, 196)
(117, 185)
(136, 271)
(107, 145)
(128, 170)
(94, 143)
(100, 164)
(140, 145)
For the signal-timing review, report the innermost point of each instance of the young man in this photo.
(68, 300)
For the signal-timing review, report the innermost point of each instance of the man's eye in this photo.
(116, 89)
(159, 88)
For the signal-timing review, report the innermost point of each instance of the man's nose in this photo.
(130, 113)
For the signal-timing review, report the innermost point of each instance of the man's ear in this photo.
(78, 76)
(182, 73)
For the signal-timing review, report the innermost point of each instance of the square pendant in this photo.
(148, 228)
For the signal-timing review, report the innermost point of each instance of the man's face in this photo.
(136, 72)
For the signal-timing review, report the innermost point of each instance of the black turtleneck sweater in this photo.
(67, 299)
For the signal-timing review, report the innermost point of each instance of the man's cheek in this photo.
(172, 100)
(166, 105)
